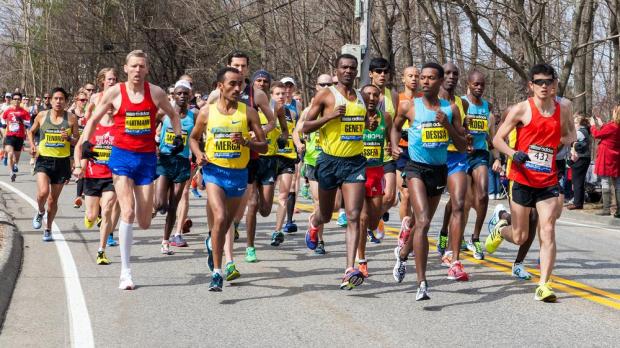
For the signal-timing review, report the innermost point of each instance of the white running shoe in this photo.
(495, 217)
(422, 293)
(125, 281)
(518, 271)
(400, 268)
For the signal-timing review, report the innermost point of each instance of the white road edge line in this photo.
(80, 329)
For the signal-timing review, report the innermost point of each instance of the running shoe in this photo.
(305, 191)
(463, 245)
(187, 225)
(372, 238)
(545, 293)
(342, 219)
(495, 217)
(495, 238)
(5, 161)
(99, 219)
(476, 248)
(126, 283)
(195, 192)
(77, 202)
(102, 259)
(446, 259)
(363, 267)
(178, 241)
(236, 225)
(351, 279)
(290, 227)
(386, 216)
(405, 231)
(216, 282)
(13, 176)
(320, 248)
(37, 221)
(422, 293)
(47, 236)
(231, 272)
(165, 248)
(277, 238)
(380, 232)
(250, 254)
(87, 223)
(442, 244)
(111, 242)
(457, 272)
(209, 252)
(15, 169)
(312, 234)
(400, 268)
(518, 271)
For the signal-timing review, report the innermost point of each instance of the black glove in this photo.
(520, 157)
(281, 143)
(404, 134)
(87, 150)
(177, 145)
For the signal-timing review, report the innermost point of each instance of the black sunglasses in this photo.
(90, 89)
(18, 99)
(328, 84)
(541, 82)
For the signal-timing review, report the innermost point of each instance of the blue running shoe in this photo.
(37, 221)
(312, 235)
(47, 236)
(210, 257)
(290, 227)
(386, 217)
(111, 242)
(342, 220)
(5, 161)
(15, 169)
(196, 193)
(372, 238)
(277, 238)
(351, 279)
(217, 282)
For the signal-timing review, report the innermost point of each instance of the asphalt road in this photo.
(291, 297)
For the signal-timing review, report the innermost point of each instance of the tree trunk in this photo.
(406, 37)
(437, 26)
(581, 61)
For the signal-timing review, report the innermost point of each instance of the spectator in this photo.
(581, 157)
(36, 107)
(607, 165)
(7, 102)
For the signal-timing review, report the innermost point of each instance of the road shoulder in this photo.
(11, 253)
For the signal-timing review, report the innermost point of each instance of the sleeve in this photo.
(605, 132)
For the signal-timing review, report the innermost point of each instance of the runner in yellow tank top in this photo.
(227, 124)
(341, 164)
(57, 130)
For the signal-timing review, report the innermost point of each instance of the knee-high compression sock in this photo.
(290, 206)
(125, 232)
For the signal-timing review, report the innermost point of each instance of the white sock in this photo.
(217, 270)
(125, 232)
(341, 211)
(100, 250)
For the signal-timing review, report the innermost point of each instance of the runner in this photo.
(481, 125)
(80, 102)
(377, 128)
(132, 159)
(101, 204)
(226, 125)
(341, 164)
(540, 124)
(453, 218)
(57, 129)
(174, 170)
(433, 122)
(17, 119)
(388, 105)
(311, 150)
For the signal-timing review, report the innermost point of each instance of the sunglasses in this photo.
(90, 89)
(18, 99)
(328, 84)
(543, 82)
(83, 100)
(46, 97)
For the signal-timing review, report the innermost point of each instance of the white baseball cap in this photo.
(288, 80)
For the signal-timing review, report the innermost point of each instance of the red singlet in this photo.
(540, 140)
(103, 140)
(134, 124)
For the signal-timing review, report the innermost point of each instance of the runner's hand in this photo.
(87, 150)
(442, 118)
(202, 160)
(520, 157)
(78, 173)
(497, 166)
(338, 112)
(396, 151)
(64, 134)
(281, 142)
(177, 145)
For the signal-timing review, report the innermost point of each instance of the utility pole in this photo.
(365, 6)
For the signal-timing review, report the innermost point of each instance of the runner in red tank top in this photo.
(132, 158)
(536, 128)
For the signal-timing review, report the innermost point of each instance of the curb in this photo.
(578, 215)
(10, 262)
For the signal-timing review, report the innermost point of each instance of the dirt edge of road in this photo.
(11, 253)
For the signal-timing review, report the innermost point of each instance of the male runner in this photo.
(133, 158)
(174, 170)
(226, 125)
(17, 119)
(433, 122)
(377, 130)
(341, 164)
(57, 131)
(540, 125)
(311, 151)
(388, 105)
(293, 110)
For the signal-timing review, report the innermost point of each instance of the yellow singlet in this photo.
(51, 143)
(389, 108)
(289, 150)
(342, 137)
(219, 147)
(459, 105)
(272, 136)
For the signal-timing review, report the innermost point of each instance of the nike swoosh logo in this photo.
(235, 122)
(440, 187)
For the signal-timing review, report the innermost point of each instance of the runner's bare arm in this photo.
(161, 101)
(75, 130)
(388, 132)
(262, 101)
(455, 127)
(104, 104)
(322, 102)
(197, 132)
(297, 131)
(397, 127)
(280, 113)
(513, 118)
(260, 144)
(34, 127)
(213, 96)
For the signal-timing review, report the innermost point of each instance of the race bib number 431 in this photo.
(137, 122)
(541, 159)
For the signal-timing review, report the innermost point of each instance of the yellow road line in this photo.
(568, 286)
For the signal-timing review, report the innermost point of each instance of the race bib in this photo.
(54, 139)
(477, 124)
(541, 159)
(102, 154)
(352, 128)
(372, 150)
(14, 127)
(169, 139)
(434, 135)
(290, 146)
(224, 147)
(137, 122)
